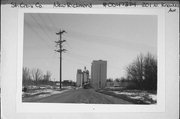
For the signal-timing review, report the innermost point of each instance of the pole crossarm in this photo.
(61, 32)
(62, 50)
(60, 42)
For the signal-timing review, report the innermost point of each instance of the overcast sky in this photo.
(115, 38)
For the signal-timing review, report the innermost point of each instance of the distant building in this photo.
(85, 76)
(79, 77)
(82, 77)
(98, 74)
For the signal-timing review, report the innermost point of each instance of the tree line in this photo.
(143, 71)
(35, 77)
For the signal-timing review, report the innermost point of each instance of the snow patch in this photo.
(138, 95)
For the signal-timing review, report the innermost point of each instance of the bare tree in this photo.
(143, 71)
(26, 76)
(109, 80)
(150, 72)
(135, 70)
(36, 75)
(122, 79)
(118, 80)
(47, 76)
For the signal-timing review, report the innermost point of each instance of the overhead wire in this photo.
(45, 33)
(49, 46)
(47, 27)
(36, 33)
(69, 52)
(52, 22)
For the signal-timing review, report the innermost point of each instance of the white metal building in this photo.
(98, 74)
(82, 77)
(79, 78)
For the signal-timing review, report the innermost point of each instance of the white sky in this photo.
(115, 38)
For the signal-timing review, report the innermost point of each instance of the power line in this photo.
(45, 33)
(48, 29)
(40, 37)
(51, 21)
(80, 61)
(83, 61)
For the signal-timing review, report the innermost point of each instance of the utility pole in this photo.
(60, 51)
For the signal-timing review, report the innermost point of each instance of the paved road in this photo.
(82, 96)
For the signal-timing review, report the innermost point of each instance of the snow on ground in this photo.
(153, 96)
(40, 93)
(138, 95)
(43, 91)
(49, 92)
(124, 93)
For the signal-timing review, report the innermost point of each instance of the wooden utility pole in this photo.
(60, 51)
